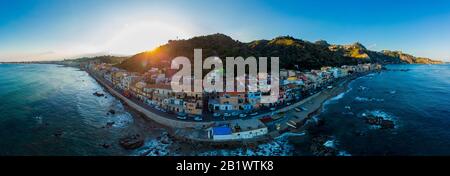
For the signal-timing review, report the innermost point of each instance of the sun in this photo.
(144, 36)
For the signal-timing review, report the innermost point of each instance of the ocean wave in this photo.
(344, 153)
(122, 120)
(156, 147)
(336, 98)
(280, 146)
(380, 113)
(340, 96)
(365, 99)
(330, 143)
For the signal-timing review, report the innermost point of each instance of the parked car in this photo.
(216, 114)
(234, 113)
(255, 113)
(182, 117)
(226, 114)
(182, 114)
(272, 109)
(242, 115)
(288, 103)
(303, 108)
(198, 118)
(298, 109)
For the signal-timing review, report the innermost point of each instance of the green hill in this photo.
(293, 53)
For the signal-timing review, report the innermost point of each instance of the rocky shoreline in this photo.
(182, 146)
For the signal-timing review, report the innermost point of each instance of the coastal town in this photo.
(225, 116)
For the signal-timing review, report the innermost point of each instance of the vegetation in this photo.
(293, 53)
(99, 59)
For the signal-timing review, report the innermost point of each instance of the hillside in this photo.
(293, 53)
(100, 59)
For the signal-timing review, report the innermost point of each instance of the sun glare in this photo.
(143, 36)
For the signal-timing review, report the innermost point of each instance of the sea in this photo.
(51, 110)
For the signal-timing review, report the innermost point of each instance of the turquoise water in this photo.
(418, 101)
(50, 110)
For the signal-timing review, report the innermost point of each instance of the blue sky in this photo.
(57, 29)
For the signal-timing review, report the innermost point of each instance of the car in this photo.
(198, 118)
(272, 109)
(242, 115)
(182, 114)
(288, 103)
(298, 109)
(226, 114)
(234, 113)
(255, 113)
(216, 114)
(303, 108)
(182, 117)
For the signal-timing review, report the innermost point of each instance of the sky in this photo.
(61, 29)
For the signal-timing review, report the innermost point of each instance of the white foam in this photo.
(365, 99)
(329, 144)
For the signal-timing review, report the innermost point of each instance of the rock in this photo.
(58, 133)
(112, 111)
(319, 149)
(131, 142)
(359, 133)
(98, 94)
(387, 124)
(109, 124)
(320, 122)
(380, 121)
(105, 145)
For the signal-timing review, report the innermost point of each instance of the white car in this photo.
(298, 109)
(234, 114)
(182, 117)
(253, 114)
(198, 118)
(216, 114)
(272, 109)
(226, 114)
(242, 115)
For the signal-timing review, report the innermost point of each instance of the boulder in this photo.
(380, 121)
(98, 94)
(131, 142)
(112, 111)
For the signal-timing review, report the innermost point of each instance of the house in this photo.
(220, 133)
(194, 107)
(239, 129)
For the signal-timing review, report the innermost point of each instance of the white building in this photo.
(240, 129)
